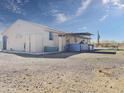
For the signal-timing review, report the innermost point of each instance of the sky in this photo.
(105, 16)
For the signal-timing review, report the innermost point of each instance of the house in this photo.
(24, 36)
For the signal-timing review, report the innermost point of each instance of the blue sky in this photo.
(107, 16)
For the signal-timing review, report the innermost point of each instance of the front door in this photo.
(4, 42)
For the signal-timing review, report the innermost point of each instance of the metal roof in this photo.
(78, 34)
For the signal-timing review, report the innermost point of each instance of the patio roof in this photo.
(80, 34)
(84, 35)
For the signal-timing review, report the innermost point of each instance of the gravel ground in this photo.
(80, 73)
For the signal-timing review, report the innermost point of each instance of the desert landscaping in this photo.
(77, 73)
(61, 46)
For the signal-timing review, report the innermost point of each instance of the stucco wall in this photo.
(28, 37)
(76, 40)
(73, 40)
(23, 36)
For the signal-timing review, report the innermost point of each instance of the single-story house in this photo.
(24, 36)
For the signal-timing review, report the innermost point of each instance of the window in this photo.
(50, 36)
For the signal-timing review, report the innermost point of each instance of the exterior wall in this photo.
(23, 36)
(33, 42)
(27, 37)
(62, 43)
(73, 40)
(74, 44)
(77, 40)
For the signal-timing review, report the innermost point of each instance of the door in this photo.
(60, 43)
(27, 43)
(4, 42)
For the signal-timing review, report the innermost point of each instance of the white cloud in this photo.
(15, 6)
(105, 1)
(114, 3)
(2, 26)
(22, 1)
(82, 28)
(54, 11)
(118, 3)
(114, 7)
(84, 5)
(61, 17)
(103, 17)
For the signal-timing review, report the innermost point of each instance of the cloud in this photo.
(118, 3)
(2, 26)
(113, 3)
(84, 5)
(61, 17)
(114, 7)
(82, 28)
(15, 6)
(103, 17)
(22, 1)
(105, 1)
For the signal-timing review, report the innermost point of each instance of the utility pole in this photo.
(98, 38)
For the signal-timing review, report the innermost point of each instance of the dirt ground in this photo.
(62, 73)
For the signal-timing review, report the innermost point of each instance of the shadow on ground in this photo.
(105, 51)
(65, 54)
(55, 55)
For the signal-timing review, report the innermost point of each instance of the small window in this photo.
(50, 36)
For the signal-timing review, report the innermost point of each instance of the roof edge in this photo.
(40, 25)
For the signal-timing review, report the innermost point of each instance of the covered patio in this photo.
(79, 43)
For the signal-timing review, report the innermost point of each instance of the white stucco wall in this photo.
(36, 37)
